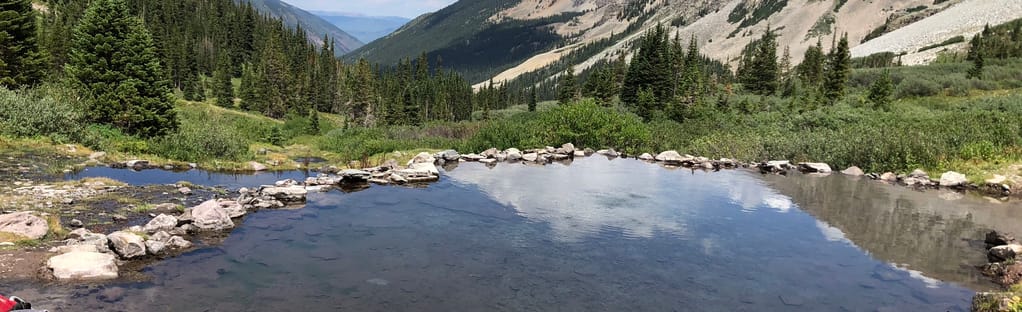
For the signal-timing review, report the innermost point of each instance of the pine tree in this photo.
(650, 70)
(114, 60)
(314, 122)
(761, 73)
(532, 99)
(976, 56)
(21, 63)
(223, 89)
(692, 78)
(567, 90)
(839, 67)
(881, 90)
(811, 68)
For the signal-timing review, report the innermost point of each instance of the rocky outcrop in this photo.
(127, 244)
(24, 224)
(83, 265)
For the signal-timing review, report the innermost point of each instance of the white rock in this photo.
(127, 244)
(177, 242)
(530, 157)
(209, 216)
(888, 177)
(155, 247)
(256, 166)
(488, 161)
(83, 265)
(853, 171)
(423, 157)
(669, 157)
(513, 154)
(162, 222)
(24, 224)
(579, 154)
(646, 157)
(953, 179)
(287, 194)
(425, 167)
(814, 167)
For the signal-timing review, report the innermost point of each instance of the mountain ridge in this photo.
(314, 26)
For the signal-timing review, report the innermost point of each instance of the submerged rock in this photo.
(953, 179)
(24, 224)
(83, 265)
(127, 244)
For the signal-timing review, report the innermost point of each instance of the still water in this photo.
(595, 235)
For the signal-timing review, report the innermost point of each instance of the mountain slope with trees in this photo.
(315, 26)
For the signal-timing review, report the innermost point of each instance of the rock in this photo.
(995, 238)
(97, 155)
(1004, 252)
(646, 157)
(177, 242)
(472, 157)
(707, 165)
(111, 294)
(351, 175)
(670, 157)
(953, 179)
(75, 223)
(609, 153)
(579, 154)
(530, 157)
(83, 237)
(558, 156)
(997, 180)
(911, 181)
(287, 194)
(489, 153)
(814, 167)
(73, 248)
(161, 236)
(919, 174)
(397, 178)
(256, 166)
(488, 161)
(233, 208)
(775, 166)
(449, 155)
(68, 201)
(567, 149)
(209, 216)
(853, 171)
(161, 223)
(24, 224)
(127, 244)
(425, 167)
(137, 164)
(422, 158)
(155, 247)
(888, 177)
(513, 154)
(83, 265)
(379, 181)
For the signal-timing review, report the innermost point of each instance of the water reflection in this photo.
(923, 232)
(198, 177)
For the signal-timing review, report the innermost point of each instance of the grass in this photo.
(143, 208)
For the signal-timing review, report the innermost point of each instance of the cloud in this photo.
(403, 8)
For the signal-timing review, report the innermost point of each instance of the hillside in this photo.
(364, 28)
(315, 26)
(503, 40)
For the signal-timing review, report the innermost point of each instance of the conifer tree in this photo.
(223, 89)
(113, 59)
(567, 90)
(532, 99)
(881, 90)
(21, 63)
(314, 122)
(650, 69)
(811, 68)
(761, 73)
(976, 56)
(839, 67)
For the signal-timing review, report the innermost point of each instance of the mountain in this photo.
(501, 40)
(365, 28)
(315, 26)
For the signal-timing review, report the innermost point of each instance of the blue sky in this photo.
(403, 8)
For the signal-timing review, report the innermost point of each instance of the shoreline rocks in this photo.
(24, 224)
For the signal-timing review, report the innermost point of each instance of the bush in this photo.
(915, 87)
(214, 137)
(47, 111)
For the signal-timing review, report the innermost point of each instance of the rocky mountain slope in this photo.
(364, 28)
(315, 26)
(501, 40)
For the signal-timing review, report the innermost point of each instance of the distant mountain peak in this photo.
(314, 25)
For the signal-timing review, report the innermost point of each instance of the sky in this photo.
(403, 8)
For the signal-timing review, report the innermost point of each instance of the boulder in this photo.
(82, 237)
(919, 174)
(162, 222)
(853, 171)
(449, 155)
(500, 156)
(155, 247)
(530, 157)
(351, 175)
(775, 166)
(83, 265)
(127, 244)
(579, 154)
(162, 236)
(888, 177)
(1004, 252)
(137, 164)
(425, 167)
(488, 161)
(423, 157)
(209, 216)
(489, 153)
(953, 179)
(397, 178)
(177, 242)
(646, 157)
(184, 190)
(995, 238)
(286, 194)
(810, 167)
(256, 166)
(24, 224)
(567, 149)
(472, 157)
(558, 156)
(671, 157)
(513, 154)
(608, 152)
(233, 208)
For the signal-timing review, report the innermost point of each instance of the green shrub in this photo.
(211, 138)
(915, 87)
(47, 111)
